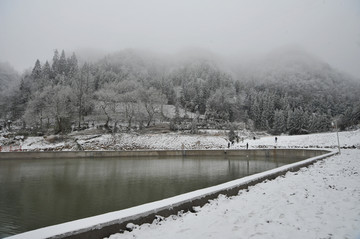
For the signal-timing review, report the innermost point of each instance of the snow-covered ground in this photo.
(126, 141)
(321, 201)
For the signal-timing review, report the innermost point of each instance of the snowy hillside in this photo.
(176, 141)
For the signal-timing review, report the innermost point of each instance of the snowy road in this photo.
(321, 201)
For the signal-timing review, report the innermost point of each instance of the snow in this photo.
(321, 201)
(127, 141)
(325, 140)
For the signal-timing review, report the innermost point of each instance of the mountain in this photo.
(299, 74)
(289, 90)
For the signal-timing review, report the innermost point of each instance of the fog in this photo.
(31, 30)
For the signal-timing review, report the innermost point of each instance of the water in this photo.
(42, 192)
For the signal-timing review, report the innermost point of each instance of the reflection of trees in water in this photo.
(39, 193)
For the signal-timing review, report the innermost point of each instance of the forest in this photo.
(286, 92)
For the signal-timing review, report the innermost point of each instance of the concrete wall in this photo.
(160, 153)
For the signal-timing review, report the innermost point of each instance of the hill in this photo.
(288, 91)
(301, 80)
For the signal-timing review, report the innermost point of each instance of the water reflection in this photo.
(38, 193)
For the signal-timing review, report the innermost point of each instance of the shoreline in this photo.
(173, 141)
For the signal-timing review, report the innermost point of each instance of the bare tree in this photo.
(151, 99)
(108, 100)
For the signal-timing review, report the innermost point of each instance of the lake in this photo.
(40, 192)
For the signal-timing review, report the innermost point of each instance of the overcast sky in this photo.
(33, 29)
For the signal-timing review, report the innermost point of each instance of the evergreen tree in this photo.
(306, 122)
(19, 98)
(55, 64)
(324, 123)
(264, 123)
(279, 122)
(267, 109)
(291, 122)
(296, 121)
(256, 113)
(286, 114)
(62, 64)
(284, 102)
(46, 71)
(72, 64)
(36, 72)
(312, 124)
(270, 108)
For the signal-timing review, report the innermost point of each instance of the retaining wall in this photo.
(160, 153)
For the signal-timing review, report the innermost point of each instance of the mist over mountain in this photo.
(8, 76)
(89, 55)
(294, 71)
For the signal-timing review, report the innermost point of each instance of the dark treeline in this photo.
(287, 95)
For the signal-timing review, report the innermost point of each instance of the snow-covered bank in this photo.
(168, 141)
(322, 140)
(321, 201)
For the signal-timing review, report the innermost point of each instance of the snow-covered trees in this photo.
(62, 108)
(55, 64)
(46, 71)
(296, 121)
(129, 102)
(273, 112)
(82, 84)
(279, 122)
(62, 67)
(221, 104)
(128, 98)
(36, 72)
(151, 100)
(34, 111)
(130, 88)
(54, 104)
(107, 102)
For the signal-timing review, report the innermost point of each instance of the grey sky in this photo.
(33, 29)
